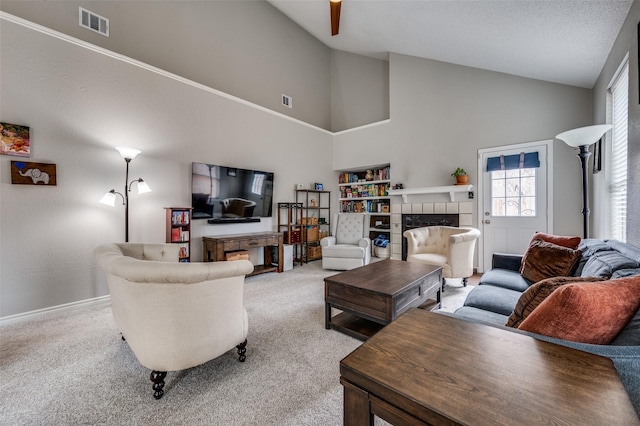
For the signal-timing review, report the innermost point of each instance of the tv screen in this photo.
(229, 193)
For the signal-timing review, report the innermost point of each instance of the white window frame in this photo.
(616, 155)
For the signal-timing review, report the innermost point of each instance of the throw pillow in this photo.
(590, 312)
(561, 240)
(534, 295)
(546, 260)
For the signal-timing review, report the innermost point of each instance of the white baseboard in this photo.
(40, 312)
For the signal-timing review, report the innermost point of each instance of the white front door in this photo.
(515, 203)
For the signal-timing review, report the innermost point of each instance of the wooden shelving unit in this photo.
(316, 208)
(289, 223)
(178, 230)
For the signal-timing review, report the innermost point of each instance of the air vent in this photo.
(287, 101)
(93, 22)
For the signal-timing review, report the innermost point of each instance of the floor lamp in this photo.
(582, 138)
(109, 198)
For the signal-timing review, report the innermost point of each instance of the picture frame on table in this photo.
(319, 187)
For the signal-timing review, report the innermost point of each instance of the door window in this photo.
(513, 192)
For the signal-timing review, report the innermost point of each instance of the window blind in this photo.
(617, 158)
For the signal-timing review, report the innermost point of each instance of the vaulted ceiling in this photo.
(563, 41)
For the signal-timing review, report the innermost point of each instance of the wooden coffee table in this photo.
(373, 295)
(430, 368)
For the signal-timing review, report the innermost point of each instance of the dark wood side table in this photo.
(214, 248)
(427, 368)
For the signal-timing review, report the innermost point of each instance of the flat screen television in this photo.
(230, 194)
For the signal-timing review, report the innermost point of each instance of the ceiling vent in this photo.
(93, 22)
(287, 101)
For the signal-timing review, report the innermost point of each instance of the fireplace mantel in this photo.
(450, 189)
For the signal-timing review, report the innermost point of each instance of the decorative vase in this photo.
(462, 179)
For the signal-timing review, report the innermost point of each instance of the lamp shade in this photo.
(109, 198)
(584, 135)
(128, 153)
(143, 187)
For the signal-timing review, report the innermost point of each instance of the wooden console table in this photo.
(214, 248)
(427, 368)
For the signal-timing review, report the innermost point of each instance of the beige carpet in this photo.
(71, 367)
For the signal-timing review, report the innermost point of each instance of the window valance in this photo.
(516, 161)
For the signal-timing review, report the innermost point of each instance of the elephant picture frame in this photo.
(29, 173)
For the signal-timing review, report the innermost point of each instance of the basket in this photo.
(310, 234)
(382, 252)
(309, 221)
(236, 255)
(314, 252)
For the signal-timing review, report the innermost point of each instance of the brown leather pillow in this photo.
(534, 295)
(560, 240)
(589, 312)
(546, 260)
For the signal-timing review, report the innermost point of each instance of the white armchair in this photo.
(174, 315)
(450, 247)
(349, 247)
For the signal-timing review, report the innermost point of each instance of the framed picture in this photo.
(14, 140)
(319, 187)
(27, 173)
(597, 156)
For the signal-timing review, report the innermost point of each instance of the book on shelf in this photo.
(184, 250)
(184, 236)
(180, 217)
(175, 235)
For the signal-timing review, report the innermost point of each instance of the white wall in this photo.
(441, 114)
(80, 104)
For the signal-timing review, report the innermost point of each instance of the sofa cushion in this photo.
(343, 250)
(480, 315)
(508, 279)
(589, 246)
(545, 260)
(605, 263)
(494, 299)
(587, 312)
(538, 292)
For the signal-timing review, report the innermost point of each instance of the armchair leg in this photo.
(443, 283)
(464, 282)
(157, 377)
(242, 350)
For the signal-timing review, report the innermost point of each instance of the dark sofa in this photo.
(496, 296)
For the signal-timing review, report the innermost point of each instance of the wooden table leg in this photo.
(357, 409)
(327, 316)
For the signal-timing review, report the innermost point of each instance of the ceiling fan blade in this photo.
(335, 16)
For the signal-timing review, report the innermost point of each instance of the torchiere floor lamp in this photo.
(582, 138)
(110, 197)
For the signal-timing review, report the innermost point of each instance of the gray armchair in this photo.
(349, 247)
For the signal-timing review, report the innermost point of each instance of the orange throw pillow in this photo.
(589, 312)
(534, 295)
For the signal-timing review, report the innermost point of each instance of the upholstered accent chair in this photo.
(174, 315)
(450, 247)
(349, 247)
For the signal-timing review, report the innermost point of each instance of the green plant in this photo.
(459, 172)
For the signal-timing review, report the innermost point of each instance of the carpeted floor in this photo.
(71, 367)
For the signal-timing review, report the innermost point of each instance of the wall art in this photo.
(597, 157)
(14, 140)
(24, 173)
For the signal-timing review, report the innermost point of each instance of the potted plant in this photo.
(461, 176)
